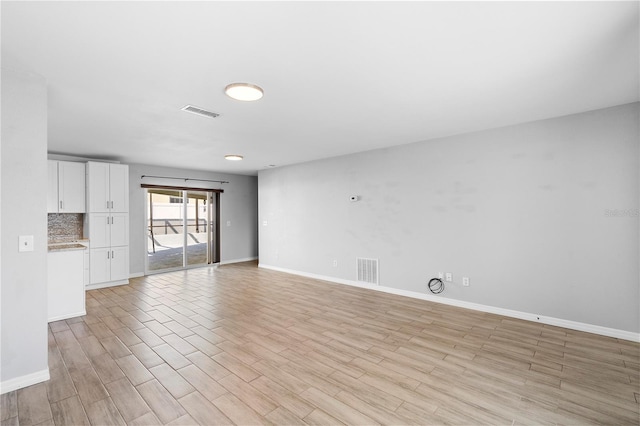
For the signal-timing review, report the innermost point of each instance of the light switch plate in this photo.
(25, 243)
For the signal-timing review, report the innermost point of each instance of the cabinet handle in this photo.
(60, 204)
(113, 256)
(108, 254)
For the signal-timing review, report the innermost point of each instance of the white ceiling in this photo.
(338, 77)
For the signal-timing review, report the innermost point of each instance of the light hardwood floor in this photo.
(242, 345)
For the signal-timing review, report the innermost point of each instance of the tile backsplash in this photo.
(65, 226)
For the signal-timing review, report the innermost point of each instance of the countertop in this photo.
(68, 245)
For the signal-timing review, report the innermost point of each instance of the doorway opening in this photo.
(183, 229)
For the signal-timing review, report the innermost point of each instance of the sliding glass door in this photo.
(165, 229)
(182, 229)
(199, 235)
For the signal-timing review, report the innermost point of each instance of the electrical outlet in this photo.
(335, 263)
(465, 281)
(441, 275)
(228, 223)
(448, 277)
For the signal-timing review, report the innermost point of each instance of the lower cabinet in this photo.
(87, 265)
(109, 264)
(65, 284)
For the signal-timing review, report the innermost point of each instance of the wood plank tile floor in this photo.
(242, 345)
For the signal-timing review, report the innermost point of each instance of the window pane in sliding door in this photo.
(165, 233)
(197, 227)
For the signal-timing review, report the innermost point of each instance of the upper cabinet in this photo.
(66, 187)
(108, 186)
(52, 187)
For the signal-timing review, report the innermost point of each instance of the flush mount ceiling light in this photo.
(233, 157)
(244, 91)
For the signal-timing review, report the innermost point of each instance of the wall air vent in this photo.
(200, 111)
(367, 270)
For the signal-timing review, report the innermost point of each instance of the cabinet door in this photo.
(99, 229)
(119, 187)
(100, 268)
(65, 286)
(52, 186)
(119, 263)
(98, 186)
(71, 188)
(119, 229)
(87, 266)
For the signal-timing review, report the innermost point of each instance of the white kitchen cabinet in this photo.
(98, 187)
(100, 265)
(52, 187)
(119, 263)
(108, 186)
(65, 284)
(99, 230)
(119, 187)
(108, 229)
(107, 223)
(66, 187)
(87, 265)
(71, 187)
(109, 264)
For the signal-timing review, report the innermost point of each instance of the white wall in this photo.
(238, 204)
(524, 211)
(23, 212)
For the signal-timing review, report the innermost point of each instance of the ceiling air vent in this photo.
(200, 111)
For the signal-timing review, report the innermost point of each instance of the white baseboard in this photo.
(136, 275)
(559, 322)
(24, 381)
(107, 284)
(246, 259)
(67, 316)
